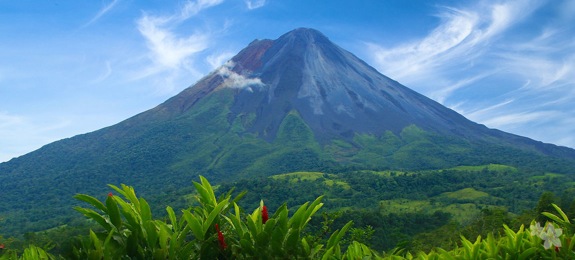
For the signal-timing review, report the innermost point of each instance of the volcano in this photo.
(297, 103)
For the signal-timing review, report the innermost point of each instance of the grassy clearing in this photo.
(461, 212)
(294, 176)
(405, 206)
(489, 167)
(343, 184)
(389, 173)
(312, 176)
(466, 194)
(547, 175)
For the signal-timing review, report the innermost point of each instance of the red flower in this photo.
(110, 194)
(223, 245)
(2, 246)
(264, 214)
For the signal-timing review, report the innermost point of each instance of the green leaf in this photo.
(131, 196)
(114, 187)
(129, 213)
(92, 201)
(95, 241)
(563, 215)
(114, 212)
(194, 224)
(215, 212)
(145, 211)
(173, 219)
(527, 253)
(292, 239)
(96, 217)
(337, 235)
(552, 217)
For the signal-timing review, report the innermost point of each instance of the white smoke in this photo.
(235, 80)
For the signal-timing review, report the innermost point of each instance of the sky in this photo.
(70, 67)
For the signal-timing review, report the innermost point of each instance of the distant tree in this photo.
(544, 205)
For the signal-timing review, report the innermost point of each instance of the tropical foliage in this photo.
(217, 228)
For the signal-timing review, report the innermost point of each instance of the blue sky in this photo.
(72, 67)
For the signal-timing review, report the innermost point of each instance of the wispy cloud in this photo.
(170, 50)
(254, 4)
(217, 60)
(530, 73)
(235, 80)
(461, 38)
(519, 118)
(104, 75)
(167, 49)
(192, 8)
(102, 12)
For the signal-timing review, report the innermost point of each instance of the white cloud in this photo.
(217, 60)
(461, 39)
(168, 50)
(254, 4)
(514, 119)
(235, 80)
(172, 49)
(480, 113)
(442, 94)
(192, 8)
(486, 48)
(102, 12)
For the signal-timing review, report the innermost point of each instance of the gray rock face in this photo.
(336, 93)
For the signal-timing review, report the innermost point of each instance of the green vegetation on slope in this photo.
(160, 154)
(217, 228)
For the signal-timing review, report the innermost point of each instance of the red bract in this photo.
(264, 214)
(223, 245)
(110, 194)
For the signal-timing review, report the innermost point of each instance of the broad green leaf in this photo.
(215, 212)
(527, 253)
(292, 239)
(563, 215)
(129, 213)
(95, 241)
(194, 224)
(113, 212)
(95, 216)
(552, 217)
(92, 201)
(131, 196)
(152, 232)
(145, 211)
(337, 235)
(173, 219)
(118, 190)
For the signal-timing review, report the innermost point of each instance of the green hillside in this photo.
(160, 153)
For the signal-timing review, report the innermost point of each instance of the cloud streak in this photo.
(171, 51)
(167, 49)
(530, 76)
(255, 4)
(102, 12)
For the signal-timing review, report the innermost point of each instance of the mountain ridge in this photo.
(297, 103)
